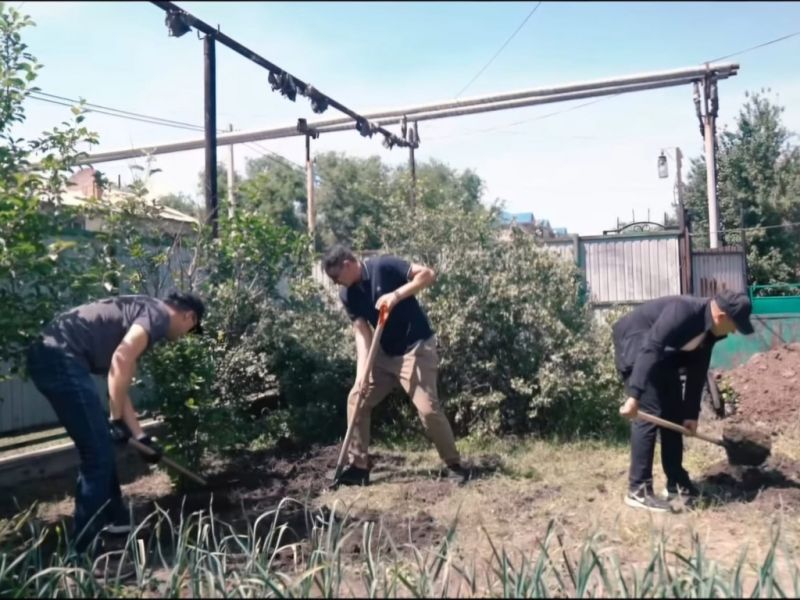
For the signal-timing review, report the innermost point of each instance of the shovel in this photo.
(740, 452)
(373, 352)
(145, 449)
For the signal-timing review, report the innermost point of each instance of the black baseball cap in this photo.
(738, 307)
(188, 301)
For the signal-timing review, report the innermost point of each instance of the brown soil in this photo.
(776, 482)
(768, 387)
(240, 491)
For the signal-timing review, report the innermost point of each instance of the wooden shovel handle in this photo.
(675, 427)
(144, 448)
(373, 351)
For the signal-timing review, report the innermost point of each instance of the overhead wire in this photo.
(117, 110)
(139, 117)
(114, 114)
(496, 54)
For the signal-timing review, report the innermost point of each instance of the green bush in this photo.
(307, 347)
(183, 390)
(520, 351)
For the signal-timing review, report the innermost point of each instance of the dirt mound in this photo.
(776, 481)
(767, 388)
(241, 490)
(746, 445)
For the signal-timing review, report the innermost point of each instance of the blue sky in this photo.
(581, 169)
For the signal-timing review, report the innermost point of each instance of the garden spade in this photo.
(743, 450)
(145, 449)
(373, 352)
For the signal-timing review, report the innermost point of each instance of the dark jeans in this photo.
(663, 397)
(69, 388)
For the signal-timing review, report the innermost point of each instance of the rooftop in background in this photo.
(526, 218)
(528, 221)
(84, 188)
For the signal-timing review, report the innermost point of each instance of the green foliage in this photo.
(42, 265)
(758, 187)
(203, 556)
(277, 190)
(519, 351)
(305, 346)
(352, 200)
(182, 377)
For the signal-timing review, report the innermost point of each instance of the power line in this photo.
(496, 54)
(274, 156)
(775, 41)
(133, 116)
(118, 110)
(114, 114)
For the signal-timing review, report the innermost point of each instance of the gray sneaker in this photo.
(645, 499)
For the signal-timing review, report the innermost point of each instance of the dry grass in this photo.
(580, 486)
(575, 490)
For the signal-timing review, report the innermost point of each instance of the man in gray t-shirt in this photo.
(105, 337)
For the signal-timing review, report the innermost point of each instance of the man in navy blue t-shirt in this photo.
(406, 356)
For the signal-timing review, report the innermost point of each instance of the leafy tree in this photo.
(519, 350)
(42, 268)
(439, 185)
(352, 200)
(275, 189)
(757, 187)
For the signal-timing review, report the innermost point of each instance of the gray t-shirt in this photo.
(91, 332)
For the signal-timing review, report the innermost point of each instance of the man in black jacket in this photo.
(651, 343)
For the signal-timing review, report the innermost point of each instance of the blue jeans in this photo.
(69, 388)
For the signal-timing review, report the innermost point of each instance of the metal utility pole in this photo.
(231, 197)
(708, 117)
(679, 182)
(212, 201)
(412, 166)
(412, 137)
(311, 208)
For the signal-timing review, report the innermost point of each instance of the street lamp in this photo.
(663, 170)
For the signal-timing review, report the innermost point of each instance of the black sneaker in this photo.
(685, 489)
(458, 473)
(645, 499)
(353, 475)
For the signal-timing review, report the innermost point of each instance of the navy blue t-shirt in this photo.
(407, 323)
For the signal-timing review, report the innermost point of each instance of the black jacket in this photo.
(654, 333)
